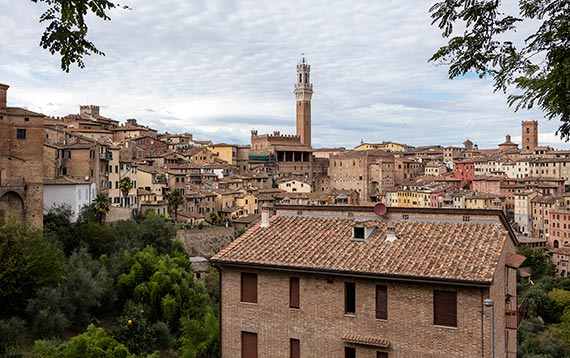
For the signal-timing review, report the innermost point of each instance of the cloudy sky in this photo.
(220, 68)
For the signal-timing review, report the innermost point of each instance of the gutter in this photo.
(370, 275)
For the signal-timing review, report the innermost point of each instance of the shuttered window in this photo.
(381, 355)
(295, 348)
(349, 352)
(248, 287)
(248, 345)
(381, 302)
(294, 292)
(445, 308)
(349, 298)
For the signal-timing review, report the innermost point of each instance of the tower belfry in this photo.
(303, 93)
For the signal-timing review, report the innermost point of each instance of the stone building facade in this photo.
(368, 172)
(21, 162)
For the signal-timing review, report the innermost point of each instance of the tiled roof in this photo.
(514, 260)
(366, 340)
(16, 111)
(431, 250)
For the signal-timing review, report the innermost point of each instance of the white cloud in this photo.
(220, 68)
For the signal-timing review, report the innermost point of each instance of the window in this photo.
(295, 348)
(248, 345)
(66, 154)
(20, 133)
(349, 298)
(248, 287)
(381, 302)
(294, 292)
(92, 154)
(358, 232)
(445, 308)
(349, 352)
(381, 355)
(63, 171)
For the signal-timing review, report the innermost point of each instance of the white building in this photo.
(65, 190)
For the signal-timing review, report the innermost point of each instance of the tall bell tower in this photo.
(304, 93)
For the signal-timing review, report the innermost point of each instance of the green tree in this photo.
(166, 286)
(102, 207)
(200, 338)
(94, 343)
(27, 263)
(214, 218)
(11, 332)
(58, 227)
(175, 200)
(539, 68)
(537, 259)
(66, 32)
(125, 185)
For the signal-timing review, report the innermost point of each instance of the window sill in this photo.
(249, 303)
(381, 319)
(446, 327)
(350, 315)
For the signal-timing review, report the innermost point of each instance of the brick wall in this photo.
(320, 322)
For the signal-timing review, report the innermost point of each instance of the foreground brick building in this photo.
(343, 282)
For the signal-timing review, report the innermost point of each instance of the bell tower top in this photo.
(303, 87)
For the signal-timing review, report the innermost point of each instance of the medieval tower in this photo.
(303, 93)
(529, 135)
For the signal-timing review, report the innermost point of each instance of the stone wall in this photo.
(117, 214)
(206, 242)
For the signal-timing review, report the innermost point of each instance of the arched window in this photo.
(556, 244)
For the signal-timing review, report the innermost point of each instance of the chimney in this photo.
(265, 214)
(391, 232)
(3, 96)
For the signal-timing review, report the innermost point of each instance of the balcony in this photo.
(515, 312)
(106, 156)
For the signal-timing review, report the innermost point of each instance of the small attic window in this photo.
(358, 232)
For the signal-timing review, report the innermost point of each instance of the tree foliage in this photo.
(102, 207)
(94, 343)
(539, 68)
(125, 185)
(164, 285)
(27, 263)
(66, 31)
(538, 260)
(175, 200)
(11, 332)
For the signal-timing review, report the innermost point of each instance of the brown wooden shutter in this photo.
(381, 302)
(381, 355)
(294, 292)
(445, 308)
(349, 352)
(248, 287)
(248, 345)
(295, 351)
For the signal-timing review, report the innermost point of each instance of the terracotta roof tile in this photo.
(514, 260)
(454, 251)
(366, 340)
